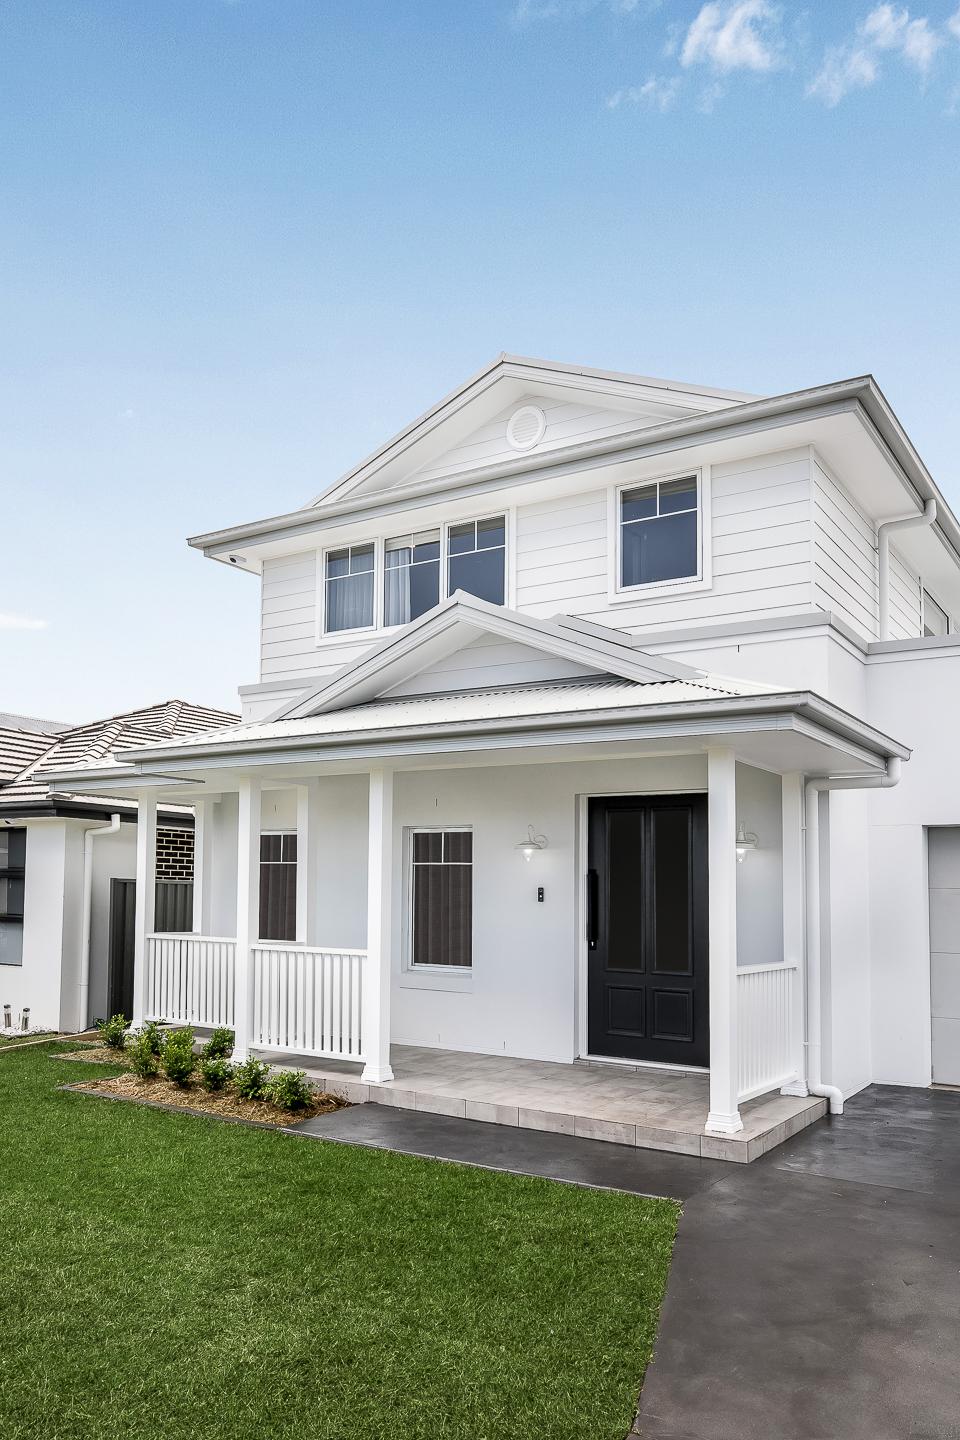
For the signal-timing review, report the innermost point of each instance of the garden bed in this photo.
(94, 1055)
(223, 1104)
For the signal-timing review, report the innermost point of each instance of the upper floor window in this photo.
(476, 559)
(660, 532)
(349, 585)
(936, 621)
(395, 582)
(411, 576)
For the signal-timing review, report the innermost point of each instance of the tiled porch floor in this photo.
(655, 1109)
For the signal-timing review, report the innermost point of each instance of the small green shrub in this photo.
(152, 1036)
(113, 1032)
(289, 1089)
(144, 1060)
(215, 1072)
(220, 1044)
(250, 1079)
(178, 1059)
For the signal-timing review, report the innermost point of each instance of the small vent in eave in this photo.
(526, 427)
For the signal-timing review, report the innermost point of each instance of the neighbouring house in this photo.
(602, 721)
(68, 866)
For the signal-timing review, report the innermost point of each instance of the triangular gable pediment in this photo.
(469, 428)
(463, 636)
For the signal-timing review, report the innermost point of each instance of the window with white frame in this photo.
(441, 898)
(278, 886)
(659, 525)
(411, 576)
(349, 581)
(13, 856)
(476, 558)
(936, 621)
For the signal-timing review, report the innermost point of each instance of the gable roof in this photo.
(27, 760)
(454, 624)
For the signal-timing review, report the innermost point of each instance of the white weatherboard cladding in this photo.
(905, 599)
(489, 660)
(845, 556)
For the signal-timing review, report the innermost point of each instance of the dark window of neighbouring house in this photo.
(13, 859)
(442, 918)
(278, 887)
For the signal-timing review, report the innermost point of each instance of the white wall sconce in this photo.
(534, 842)
(746, 841)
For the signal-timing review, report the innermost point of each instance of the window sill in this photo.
(636, 594)
(436, 979)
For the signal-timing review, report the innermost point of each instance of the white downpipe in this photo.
(909, 522)
(812, 791)
(112, 827)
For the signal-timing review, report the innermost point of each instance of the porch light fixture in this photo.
(746, 841)
(532, 844)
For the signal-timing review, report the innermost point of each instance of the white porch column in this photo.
(308, 835)
(145, 897)
(248, 912)
(202, 864)
(724, 1116)
(377, 972)
(793, 901)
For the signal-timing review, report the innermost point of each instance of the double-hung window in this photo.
(13, 855)
(660, 532)
(411, 576)
(278, 887)
(476, 558)
(441, 911)
(349, 580)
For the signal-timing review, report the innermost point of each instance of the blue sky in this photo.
(243, 243)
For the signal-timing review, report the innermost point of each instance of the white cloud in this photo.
(657, 93)
(887, 28)
(953, 25)
(736, 35)
(20, 622)
(844, 68)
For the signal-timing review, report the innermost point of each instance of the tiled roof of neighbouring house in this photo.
(27, 756)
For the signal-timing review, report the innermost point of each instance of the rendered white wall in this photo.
(36, 983)
(760, 876)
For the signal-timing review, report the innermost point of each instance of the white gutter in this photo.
(812, 791)
(909, 522)
(83, 988)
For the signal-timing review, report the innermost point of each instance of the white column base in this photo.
(719, 1124)
(374, 1074)
(795, 1087)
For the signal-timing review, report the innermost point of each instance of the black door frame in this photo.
(584, 802)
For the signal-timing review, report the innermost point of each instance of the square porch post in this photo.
(377, 971)
(146, 893)
(248, 913)
(309, 819)
(202, 864)
(793, 922)
(724, 1115)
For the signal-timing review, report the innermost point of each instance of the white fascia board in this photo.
(454, 623)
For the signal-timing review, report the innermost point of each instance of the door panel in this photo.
(944, 877)
(123, 910)
(647, 929)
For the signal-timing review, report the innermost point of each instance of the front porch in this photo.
(652, 1109)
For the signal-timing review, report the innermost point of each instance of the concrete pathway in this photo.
(814, 1295)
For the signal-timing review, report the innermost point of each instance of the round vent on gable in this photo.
(526, 427)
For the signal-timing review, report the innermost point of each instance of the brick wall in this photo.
(174, 854)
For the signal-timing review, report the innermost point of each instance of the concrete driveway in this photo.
(814, 1295)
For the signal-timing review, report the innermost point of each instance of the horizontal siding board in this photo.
(845, 551)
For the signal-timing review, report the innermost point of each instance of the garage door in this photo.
(944, 865)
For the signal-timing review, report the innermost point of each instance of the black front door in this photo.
(647, 929)
(123, 909)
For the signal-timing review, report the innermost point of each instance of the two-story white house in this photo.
(547, 806)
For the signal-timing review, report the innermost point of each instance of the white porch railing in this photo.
(190, 979)
(308, 1001)
(767, 1000)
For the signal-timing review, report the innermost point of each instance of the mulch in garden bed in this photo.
(95, 1055)
(224, 1104)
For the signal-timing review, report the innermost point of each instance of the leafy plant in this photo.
(113, 1032)
(215, 1072)
(152, 1036)
(290, 1089)
(220, 1044)
(250, 1079)
(178, 1059)
(144, 1060)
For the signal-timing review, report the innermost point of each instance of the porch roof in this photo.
(550, 719)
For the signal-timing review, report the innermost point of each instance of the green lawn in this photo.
(14, 1037)
(169, 1277)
